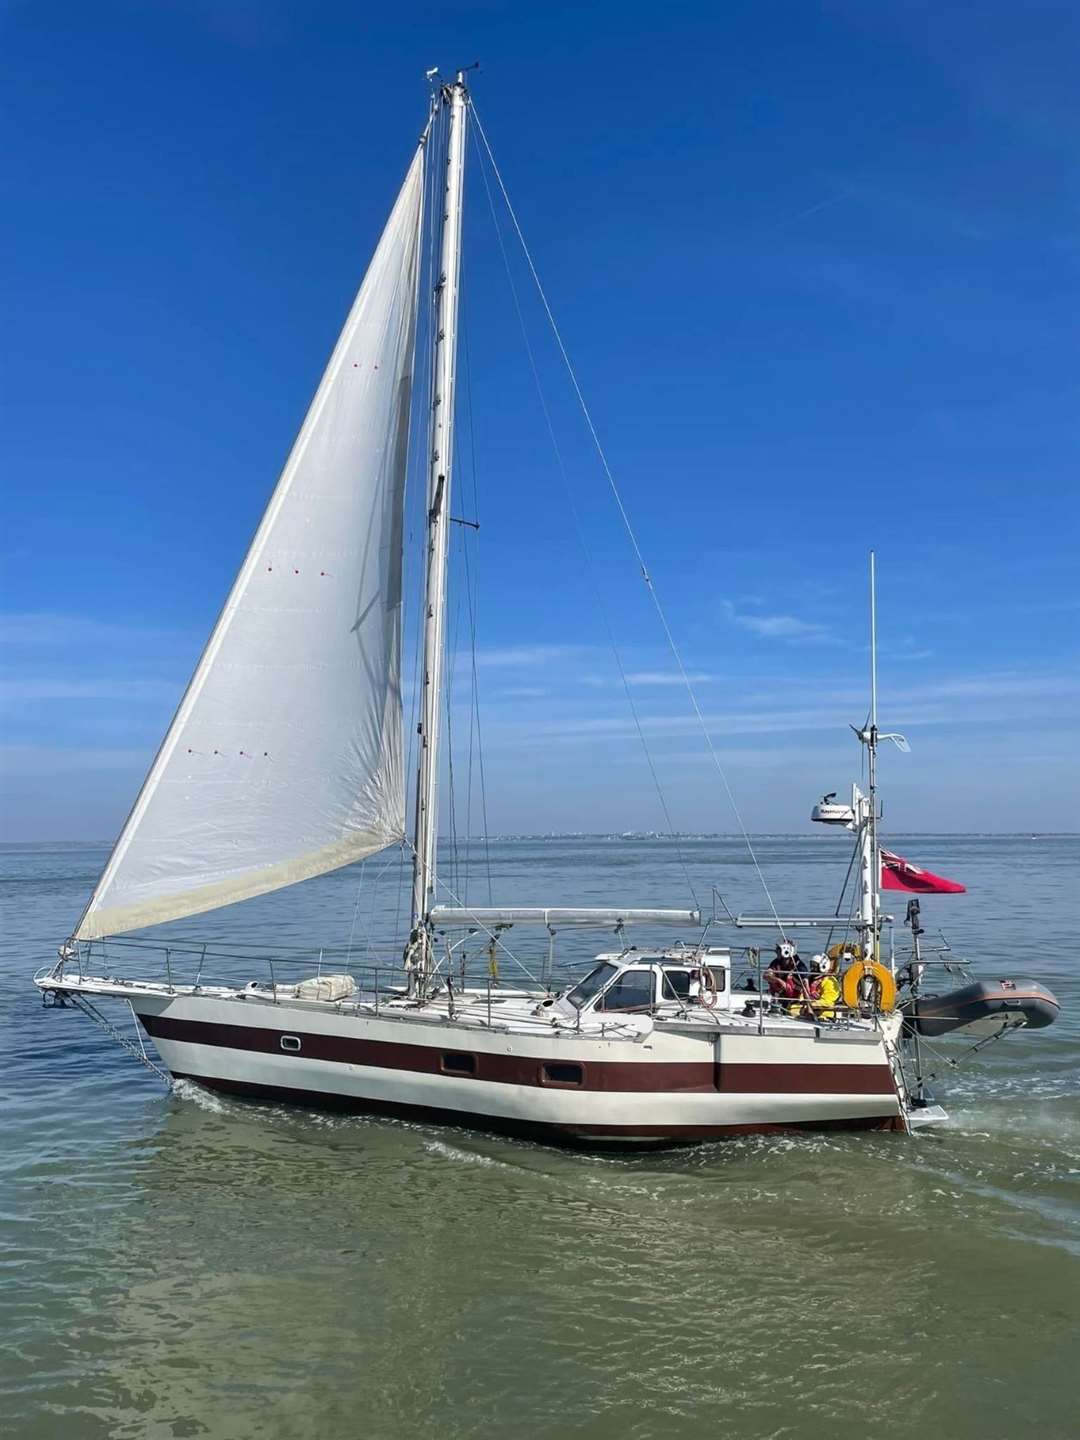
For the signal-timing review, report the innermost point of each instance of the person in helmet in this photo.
(776, 976)
(824, 988)
(785, 976)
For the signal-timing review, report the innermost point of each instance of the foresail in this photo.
(284, 759)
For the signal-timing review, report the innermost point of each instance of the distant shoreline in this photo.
(629, 837)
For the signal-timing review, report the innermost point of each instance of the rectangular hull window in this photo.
(458, 1062)
(563, 1072)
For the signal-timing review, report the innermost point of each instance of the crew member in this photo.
(785, 973)
(824, 988)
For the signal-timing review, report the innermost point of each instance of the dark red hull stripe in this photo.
(626, 1135)
(611, 1075)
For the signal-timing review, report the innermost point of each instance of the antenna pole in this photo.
(873, 644)
(418, 954)
(874, 864)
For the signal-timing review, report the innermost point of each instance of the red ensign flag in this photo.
(899, 874)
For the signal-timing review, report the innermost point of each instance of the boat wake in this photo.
(205, 1099)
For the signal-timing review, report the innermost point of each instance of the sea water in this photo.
(178, 1264)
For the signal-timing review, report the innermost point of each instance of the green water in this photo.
(180, 1265)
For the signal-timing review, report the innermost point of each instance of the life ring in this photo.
(855, 974)
(851, 948)
(707, 993)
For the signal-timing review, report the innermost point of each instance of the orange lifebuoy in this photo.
(854, 976)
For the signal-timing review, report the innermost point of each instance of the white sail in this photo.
(284, 759)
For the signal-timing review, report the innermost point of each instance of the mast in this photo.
(418, 952)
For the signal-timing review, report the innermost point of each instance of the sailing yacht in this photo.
(285, 760)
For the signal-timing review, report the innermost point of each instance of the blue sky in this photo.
(816, 264)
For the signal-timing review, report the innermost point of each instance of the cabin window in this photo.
(562, 1072)
(676, 985)
(633, 990)
(291, 1043)
(593, 983)
(458, 1062)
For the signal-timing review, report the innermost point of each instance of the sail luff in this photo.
(284, 757)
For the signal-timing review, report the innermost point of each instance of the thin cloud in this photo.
(986, 701)
(809, 210)
(49, 630)
(646, 679)
(666, 677)
(511, 657)
(778, 627)
(152, 691)
(18, 761)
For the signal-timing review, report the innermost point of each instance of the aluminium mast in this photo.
(418, 953)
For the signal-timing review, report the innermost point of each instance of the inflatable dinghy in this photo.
(983, 1008)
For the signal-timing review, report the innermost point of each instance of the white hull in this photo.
(674, 1081)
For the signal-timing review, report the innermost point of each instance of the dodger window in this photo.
(593, 983)
(633, 990)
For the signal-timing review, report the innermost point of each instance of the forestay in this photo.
(284, 759)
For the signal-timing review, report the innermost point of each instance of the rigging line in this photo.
(451, 817)
(849, 924)
(583, 542)
(461, 851)
(472, 586)
(462, 311)
(840, 899)
(466, 847)
(472, 736)
(374, 896)
(400, 893)
(847, 877)
(356, 909)
(491, 934)
(628, 527)
(455, 859)
(472, 725)
(475, 718)
(456, 851)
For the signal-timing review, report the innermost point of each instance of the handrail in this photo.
(376, 984)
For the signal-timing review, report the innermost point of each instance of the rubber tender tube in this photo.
(984, 1004)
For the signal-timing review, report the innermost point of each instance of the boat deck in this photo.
(515, 1011)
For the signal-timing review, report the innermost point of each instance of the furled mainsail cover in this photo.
(284, 759)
